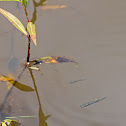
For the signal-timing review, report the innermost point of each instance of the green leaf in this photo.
(32, 32)
(24, 2)
(18, 85)
(14, 21)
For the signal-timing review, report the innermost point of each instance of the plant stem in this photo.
(28, 52)
(29, 40)
(26, 12)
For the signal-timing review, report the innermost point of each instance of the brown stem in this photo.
(28, 52)
(26, 12)
(29, 40)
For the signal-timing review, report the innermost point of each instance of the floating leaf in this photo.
(32, 32)
(91, 102)
(53, 7)
(14, 21)
(50, 59)
(24, 2)
(9, 122)
(18, 85)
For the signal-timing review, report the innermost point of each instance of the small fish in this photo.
(91, 102)
(71, 82)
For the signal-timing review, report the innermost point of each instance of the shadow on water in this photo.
(2, 115)
(12, 60)
(22, 87)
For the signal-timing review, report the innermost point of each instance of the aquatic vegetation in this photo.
(30, 33)
(15, 21)
(50, 59)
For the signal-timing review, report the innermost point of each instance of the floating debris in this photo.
(91, 102)
(75, 81)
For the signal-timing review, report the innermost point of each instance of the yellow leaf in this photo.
(15, 83)
(3, 79)
(53, 7)
(51, 59)
(14, 21)
(32, 32)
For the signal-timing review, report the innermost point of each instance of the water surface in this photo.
(91, 32)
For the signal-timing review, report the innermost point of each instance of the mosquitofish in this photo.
(71, 82)
(91, 102)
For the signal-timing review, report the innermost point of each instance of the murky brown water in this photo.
(91, 32)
